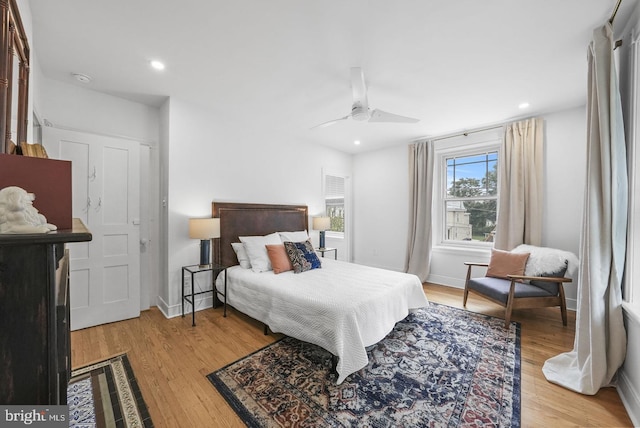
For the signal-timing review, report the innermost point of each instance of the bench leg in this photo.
(563, 304)
(509, 308)
(466, 287)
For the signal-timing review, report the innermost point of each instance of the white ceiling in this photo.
(284, 65)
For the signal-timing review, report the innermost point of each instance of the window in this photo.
(471, 197)
(334, 196)
(468, 183)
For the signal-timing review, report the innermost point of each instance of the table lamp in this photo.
(204, 229)
(322, 224)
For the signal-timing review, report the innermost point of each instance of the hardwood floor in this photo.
(171, 359)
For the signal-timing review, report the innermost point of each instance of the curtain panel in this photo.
(421, 166)
(600, 342)
(520, 184)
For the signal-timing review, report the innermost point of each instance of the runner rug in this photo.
(106, 394)
(440, 366)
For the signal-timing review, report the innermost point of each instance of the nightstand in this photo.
(328, 250)
(215, 269)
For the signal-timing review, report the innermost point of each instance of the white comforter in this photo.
(342, 307)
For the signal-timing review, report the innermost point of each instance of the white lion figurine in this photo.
(18, 215)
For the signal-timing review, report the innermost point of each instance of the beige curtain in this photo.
(420, 201)
(599, 346)
(520, 185)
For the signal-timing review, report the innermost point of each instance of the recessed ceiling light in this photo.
(83, 78)
(523, 105)
(356, 142)
(157, 65)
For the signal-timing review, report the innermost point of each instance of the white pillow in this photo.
(298, 236)
(257, 252)
(241, 253)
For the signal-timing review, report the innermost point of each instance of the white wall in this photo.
(77, 107)
(213, 157)
(565, 177)
(381, 213)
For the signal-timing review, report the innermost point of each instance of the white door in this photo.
(105, 272)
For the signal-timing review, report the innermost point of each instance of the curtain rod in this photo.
(615, 11)
(465, 133)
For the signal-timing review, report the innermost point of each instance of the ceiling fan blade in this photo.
(359, 88)
(383, 116)
(331, 122)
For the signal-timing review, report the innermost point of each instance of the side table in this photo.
(215, 269)
(328, 250)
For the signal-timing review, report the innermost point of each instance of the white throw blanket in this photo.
(342, 307)
(543, 260)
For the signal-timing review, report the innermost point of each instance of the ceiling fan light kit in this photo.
(360, 110)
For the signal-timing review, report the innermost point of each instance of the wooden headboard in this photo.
(242, 219)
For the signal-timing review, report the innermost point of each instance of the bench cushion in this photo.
(498, 289)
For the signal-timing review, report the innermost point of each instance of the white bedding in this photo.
(342, 307)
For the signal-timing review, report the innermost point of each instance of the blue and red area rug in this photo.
(441, 366)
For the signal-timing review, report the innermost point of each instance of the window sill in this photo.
(334, 235)
(632, 310)
(463, 250)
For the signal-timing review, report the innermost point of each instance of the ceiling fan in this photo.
(360, 110)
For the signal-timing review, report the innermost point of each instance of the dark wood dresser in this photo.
(35, 352)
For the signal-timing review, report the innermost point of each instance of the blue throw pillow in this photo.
(302, 256)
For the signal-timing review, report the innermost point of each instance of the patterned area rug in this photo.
(106, 394)
(439, 367)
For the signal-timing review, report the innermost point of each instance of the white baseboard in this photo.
(629, 375)
(630, 397)
(447, 281)
(164, 308)
(172, 311)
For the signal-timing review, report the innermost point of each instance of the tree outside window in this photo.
(471, 197)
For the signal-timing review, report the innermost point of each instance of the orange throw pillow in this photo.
(505, 263)
(279, 258)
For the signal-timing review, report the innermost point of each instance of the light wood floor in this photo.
(171, 359)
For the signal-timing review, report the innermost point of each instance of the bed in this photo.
(342, 307)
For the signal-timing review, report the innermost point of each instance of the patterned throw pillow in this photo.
(302, 256)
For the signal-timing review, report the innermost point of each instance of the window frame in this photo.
(345, 177)
(631, 112)
(474, 144)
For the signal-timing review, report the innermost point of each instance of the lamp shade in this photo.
(204, 228)
(321, 223)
